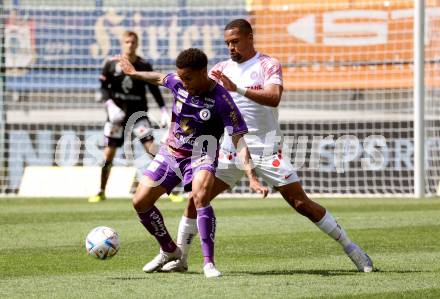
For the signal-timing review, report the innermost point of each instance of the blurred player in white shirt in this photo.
(255, 83)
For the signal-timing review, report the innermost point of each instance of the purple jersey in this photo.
(195, 116)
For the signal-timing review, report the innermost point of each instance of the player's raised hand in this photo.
(226, 82)
(126, 65)
(257, 187)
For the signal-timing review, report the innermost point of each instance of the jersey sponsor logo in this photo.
(182, 92)
(205, 114)
(184, 139)
(255, 87)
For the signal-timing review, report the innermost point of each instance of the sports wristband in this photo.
(241, 90)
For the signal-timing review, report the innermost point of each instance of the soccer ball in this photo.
(102, 242)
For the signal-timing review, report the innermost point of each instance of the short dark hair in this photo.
(243, 26)
(128, 33)
(192, 58)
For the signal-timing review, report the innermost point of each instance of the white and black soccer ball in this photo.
(102, 242)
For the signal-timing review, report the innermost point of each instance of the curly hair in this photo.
(192, 58)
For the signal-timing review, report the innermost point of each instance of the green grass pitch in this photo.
(263, 248)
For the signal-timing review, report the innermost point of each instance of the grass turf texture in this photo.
(263, 248)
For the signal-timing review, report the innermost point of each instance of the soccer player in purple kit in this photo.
(255, 82)
(202, 109)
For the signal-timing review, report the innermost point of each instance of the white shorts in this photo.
(274, 169)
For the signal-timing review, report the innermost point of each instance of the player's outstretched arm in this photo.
(246, 160)
(150, 77)
(270, 95)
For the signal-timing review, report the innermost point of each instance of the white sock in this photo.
(329, 226)
(185, 234)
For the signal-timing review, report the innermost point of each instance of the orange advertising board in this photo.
(346, 44)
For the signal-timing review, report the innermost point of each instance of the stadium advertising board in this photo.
(327, 162)
(345, 44)
(51, 49)
(61, 145)
(338, 45)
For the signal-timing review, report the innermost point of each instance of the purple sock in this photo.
(152, 220)
(206, 225)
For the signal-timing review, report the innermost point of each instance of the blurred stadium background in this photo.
(347, 110)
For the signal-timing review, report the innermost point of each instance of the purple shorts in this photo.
(168, 171)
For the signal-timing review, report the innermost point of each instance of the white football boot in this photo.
(161, 259)
(210, 271)
(175, 266)
(362, 261)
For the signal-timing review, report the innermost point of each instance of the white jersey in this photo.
(262, 121)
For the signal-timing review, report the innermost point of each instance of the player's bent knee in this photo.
(147, 138)
(300, 206)
(115, 114)
(200, 198)
(112, 130)
(143, 131)
(300, 202)
(136, 201)
(139, 200)
(140, 204)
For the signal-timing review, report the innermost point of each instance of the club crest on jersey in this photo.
(205, 114)
(254, 75)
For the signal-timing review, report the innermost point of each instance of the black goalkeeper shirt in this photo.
(128, 93)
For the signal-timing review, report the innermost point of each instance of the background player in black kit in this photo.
(123, 97)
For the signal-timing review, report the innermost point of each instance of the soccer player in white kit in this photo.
(255, 83)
